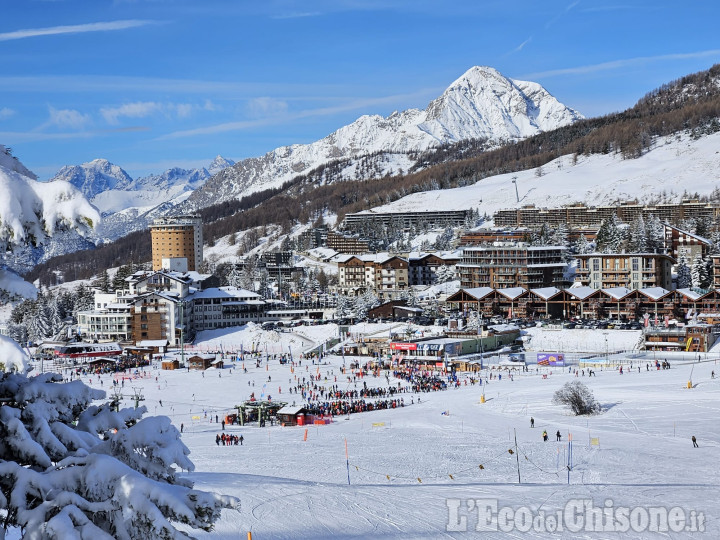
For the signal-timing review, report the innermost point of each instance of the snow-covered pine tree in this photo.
(365, 302)
(637, 236)
(703, 226)
(235, 277)
(609, 236)
(559, 236)
(715, 243)
(72, 469)
(684, 277)
(582, 246)
(543, 236)
(655, 241)
(444, 273)
(709, 274)
(445, 239)
(344, 306)
(701, 273)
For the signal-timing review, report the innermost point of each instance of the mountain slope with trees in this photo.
(688, 105)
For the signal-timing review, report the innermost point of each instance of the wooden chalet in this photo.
(292, 415)
(518, 298)
(204, 361)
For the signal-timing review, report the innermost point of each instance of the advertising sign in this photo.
(550, 359)
(403, 346)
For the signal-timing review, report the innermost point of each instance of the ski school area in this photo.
(418, 469)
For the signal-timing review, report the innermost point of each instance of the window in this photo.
(635, 264)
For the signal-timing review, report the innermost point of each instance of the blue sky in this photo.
(150, 84)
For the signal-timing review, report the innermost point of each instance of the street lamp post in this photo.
(607, 355)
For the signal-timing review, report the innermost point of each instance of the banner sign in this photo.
(403, 346)
(552, 360)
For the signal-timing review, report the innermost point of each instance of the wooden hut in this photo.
(170, 364)
(292, 415)
(202, 361)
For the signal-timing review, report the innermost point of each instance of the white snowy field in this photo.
(408, 476)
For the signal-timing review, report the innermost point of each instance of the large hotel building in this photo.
(177, 238)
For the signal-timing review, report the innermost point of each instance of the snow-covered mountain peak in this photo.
(94, 177)
(483, 103)
(218, 164)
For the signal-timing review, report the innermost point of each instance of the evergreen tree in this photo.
(655, 240)
(559, 236)
(235, 278)
(126, 270)
(365, 302)
(84, 299)
(703, 226)
(444, 240)
(444, 273)
(249, 269)
(103, 282)
(637, 236)
(344, 306)
(582, 246)
(542, 237)
(609, 237)
(684, 277)
(323, 280)
(71, 467)
(715, 242)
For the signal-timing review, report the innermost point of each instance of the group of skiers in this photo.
(558, 435)
(228, 440)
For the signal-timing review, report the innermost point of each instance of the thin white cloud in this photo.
(66, 119)
(143, 109)
(74, 29)
(362, 104)
(104, 83)
(266, 106)
(618, 64)
(297, 15)
(6, 112)
(559, 15)
(520, 47)
(35, 136)
(140, 109)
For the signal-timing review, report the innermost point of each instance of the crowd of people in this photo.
(226, 439)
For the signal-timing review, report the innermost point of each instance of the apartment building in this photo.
(109, 321)
(631, 270)
(423, 267)
(159, 316)
(512, 264)
(580, 215)
(406, 220)
(346, 243)
(682, 243)
(221, 307)
(177, 238)
(385, 274)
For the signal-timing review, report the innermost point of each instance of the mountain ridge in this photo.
(481, 104)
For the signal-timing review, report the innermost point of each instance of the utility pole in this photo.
(517, 195)
(182, 331)
(517, 456)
